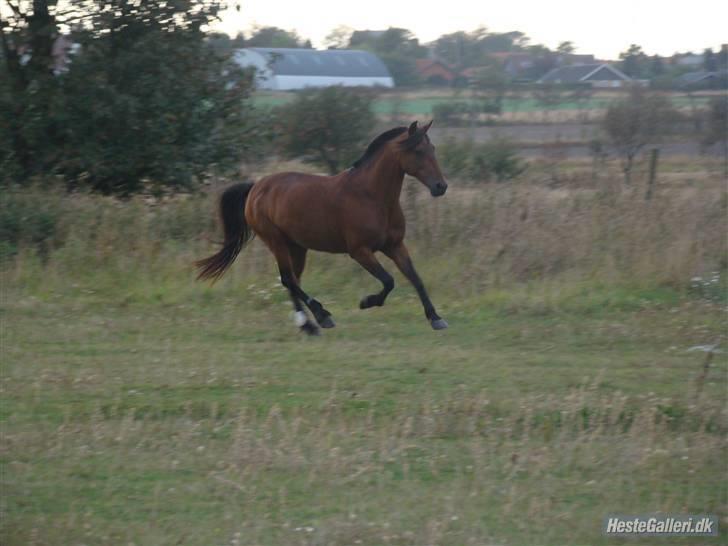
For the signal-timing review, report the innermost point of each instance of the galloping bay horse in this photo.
(356, 212)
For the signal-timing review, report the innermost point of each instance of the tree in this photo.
(339, 37)
(542, 60)
(27, 35)
(566, 48)
(633, 61)
(398, 49)
(146, 101)
(710, 60)
(276, 37)
(489, 85)
(468, 49)
(326, 127)
(461, 49)
(494, 42)
(657, 67)
(722, 57)
(635, 121)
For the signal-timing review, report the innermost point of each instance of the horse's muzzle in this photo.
(438, 189)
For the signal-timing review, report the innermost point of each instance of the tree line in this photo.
(146, 100)
(399, 49)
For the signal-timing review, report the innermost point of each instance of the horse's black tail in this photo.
(237, 232)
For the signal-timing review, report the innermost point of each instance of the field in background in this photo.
(140, 407)
(522, 108)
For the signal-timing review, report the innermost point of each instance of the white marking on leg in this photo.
(300, 318)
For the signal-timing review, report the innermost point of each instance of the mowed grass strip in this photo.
(213, 421)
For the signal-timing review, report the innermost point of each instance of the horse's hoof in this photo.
(327, 322)
(310, 329)
(438, 324)
(370, 301)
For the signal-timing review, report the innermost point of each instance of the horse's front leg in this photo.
(401, 258)
(365, 257)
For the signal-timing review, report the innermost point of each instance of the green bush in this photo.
(28, 219)
(495, 160)
(327, 127)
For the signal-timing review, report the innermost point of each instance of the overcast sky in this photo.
(602, 28)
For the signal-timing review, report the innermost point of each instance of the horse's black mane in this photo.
(376, 144)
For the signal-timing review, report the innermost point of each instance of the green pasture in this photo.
(576, 378)
(388, 104)
(200, 416)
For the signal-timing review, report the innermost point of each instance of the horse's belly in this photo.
(330, 242)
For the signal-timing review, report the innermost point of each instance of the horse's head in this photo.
(417, 158)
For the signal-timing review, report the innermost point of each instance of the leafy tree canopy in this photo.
(144, 100)
(327, 127)
(276, 37)
(398, 48)
(466, 49)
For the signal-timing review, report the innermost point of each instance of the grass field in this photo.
(421, 104)
(141, 408)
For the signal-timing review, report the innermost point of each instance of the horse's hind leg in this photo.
(288, 278)
(298, 259)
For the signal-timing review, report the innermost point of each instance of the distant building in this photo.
(703, 79)
(597, 75)
(528, 66)
(435, 72)
(515, 63)
(688, 59)
(563, 59)
(289, 69)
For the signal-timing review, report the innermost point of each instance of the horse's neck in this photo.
(384, 180)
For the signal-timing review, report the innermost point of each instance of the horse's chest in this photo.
(395, 225)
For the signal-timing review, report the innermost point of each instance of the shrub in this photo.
(326, 127)
(634, 122)
(459, 113)
(28, 219)
(495, 160)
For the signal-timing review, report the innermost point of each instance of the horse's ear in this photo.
(427, 127)
(412, 128)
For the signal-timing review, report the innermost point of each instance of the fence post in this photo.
(654, 155)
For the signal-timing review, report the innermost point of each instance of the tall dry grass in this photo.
(474, 238)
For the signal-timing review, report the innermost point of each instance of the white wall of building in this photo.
(268, 79)
(287, 83)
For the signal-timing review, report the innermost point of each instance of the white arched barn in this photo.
(288, 69)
